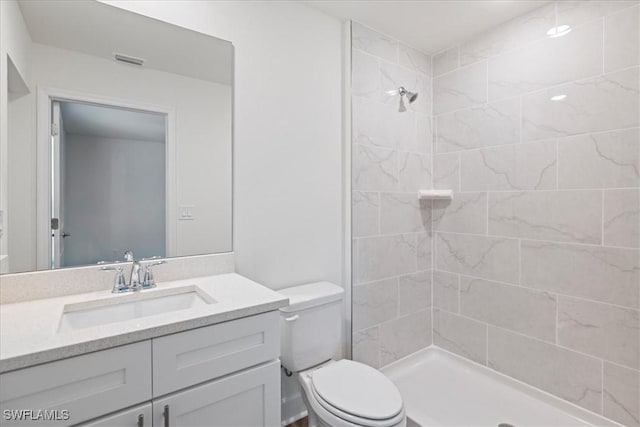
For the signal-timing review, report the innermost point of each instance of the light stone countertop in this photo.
(29, 331)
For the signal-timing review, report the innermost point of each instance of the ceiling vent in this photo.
(128, 59)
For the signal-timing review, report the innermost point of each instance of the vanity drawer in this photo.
(86, 386)
(187, 358)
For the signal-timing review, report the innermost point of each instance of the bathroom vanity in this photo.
(200, 351)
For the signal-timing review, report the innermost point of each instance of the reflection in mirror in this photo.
(95, 149)
(119, 135)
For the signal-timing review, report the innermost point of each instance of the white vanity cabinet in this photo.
(81, 387)
(240, 400)
(227, 374)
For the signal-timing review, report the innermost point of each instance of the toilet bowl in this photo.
(337, 393)
(346, 393)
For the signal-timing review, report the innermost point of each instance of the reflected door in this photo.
(58, 234)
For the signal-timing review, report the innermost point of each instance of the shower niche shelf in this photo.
(435, 194)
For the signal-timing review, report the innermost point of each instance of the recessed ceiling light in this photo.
(559, 31)
(558, 97)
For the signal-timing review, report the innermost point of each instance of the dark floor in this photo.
(300, 423)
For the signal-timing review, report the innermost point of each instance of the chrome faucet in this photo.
(141, 275)
(134, 279)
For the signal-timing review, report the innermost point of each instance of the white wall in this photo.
(21, 231)
(128, 213)
(288, 212)
(14, 42)
(287, 142)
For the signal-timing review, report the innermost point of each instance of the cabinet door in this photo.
(77, 389)
(250, 398)
(140, 416)
(193, 357)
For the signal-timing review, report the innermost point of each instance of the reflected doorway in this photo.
(108, 183)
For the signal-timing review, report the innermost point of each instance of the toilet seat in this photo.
(357, 393)
(358, 421)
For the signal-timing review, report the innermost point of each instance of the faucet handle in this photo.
(128, 256)
(120, 283)
(149, 281)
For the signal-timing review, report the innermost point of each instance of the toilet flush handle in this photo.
(292, 318)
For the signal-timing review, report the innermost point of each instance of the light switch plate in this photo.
(186, 212)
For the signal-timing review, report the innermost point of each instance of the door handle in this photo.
(141, 420)
(165, 414)
(65, 234)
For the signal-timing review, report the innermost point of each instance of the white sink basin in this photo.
(131, 306)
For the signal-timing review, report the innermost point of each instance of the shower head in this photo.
(411, 97)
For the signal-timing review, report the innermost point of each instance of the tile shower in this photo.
(533, 269)
(392, 157)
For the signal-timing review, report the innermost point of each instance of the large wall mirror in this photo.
(119, 137)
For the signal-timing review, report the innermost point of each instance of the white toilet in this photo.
(339, 393)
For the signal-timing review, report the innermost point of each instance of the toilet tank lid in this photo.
(311, 295)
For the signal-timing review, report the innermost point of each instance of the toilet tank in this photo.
(311, 326)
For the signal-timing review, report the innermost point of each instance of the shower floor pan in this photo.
(442, 389)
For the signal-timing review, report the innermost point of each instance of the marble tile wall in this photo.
(537, 258)
(392, 231)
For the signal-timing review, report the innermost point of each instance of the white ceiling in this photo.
(428, 25)
(98, 29)
(109, 122)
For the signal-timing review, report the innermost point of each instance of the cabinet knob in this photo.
(165, 414)
(141, 420)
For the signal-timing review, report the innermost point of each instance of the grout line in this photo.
(581, 80)
(559, 139)
(520, 119)
(602, 219)
(398, 314)
(486, 340)
(460, 67)
(557, 165)
(459, 163)
(591, 356)
(557, 325)
(532, 239)
(379, 194)
(486, 102)
(602, 387)
(487, 213)
(610, 362)
(459, 294)
(520, 262)
(541, 290)
(485, 190)
(391, 62)
(604, 35)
